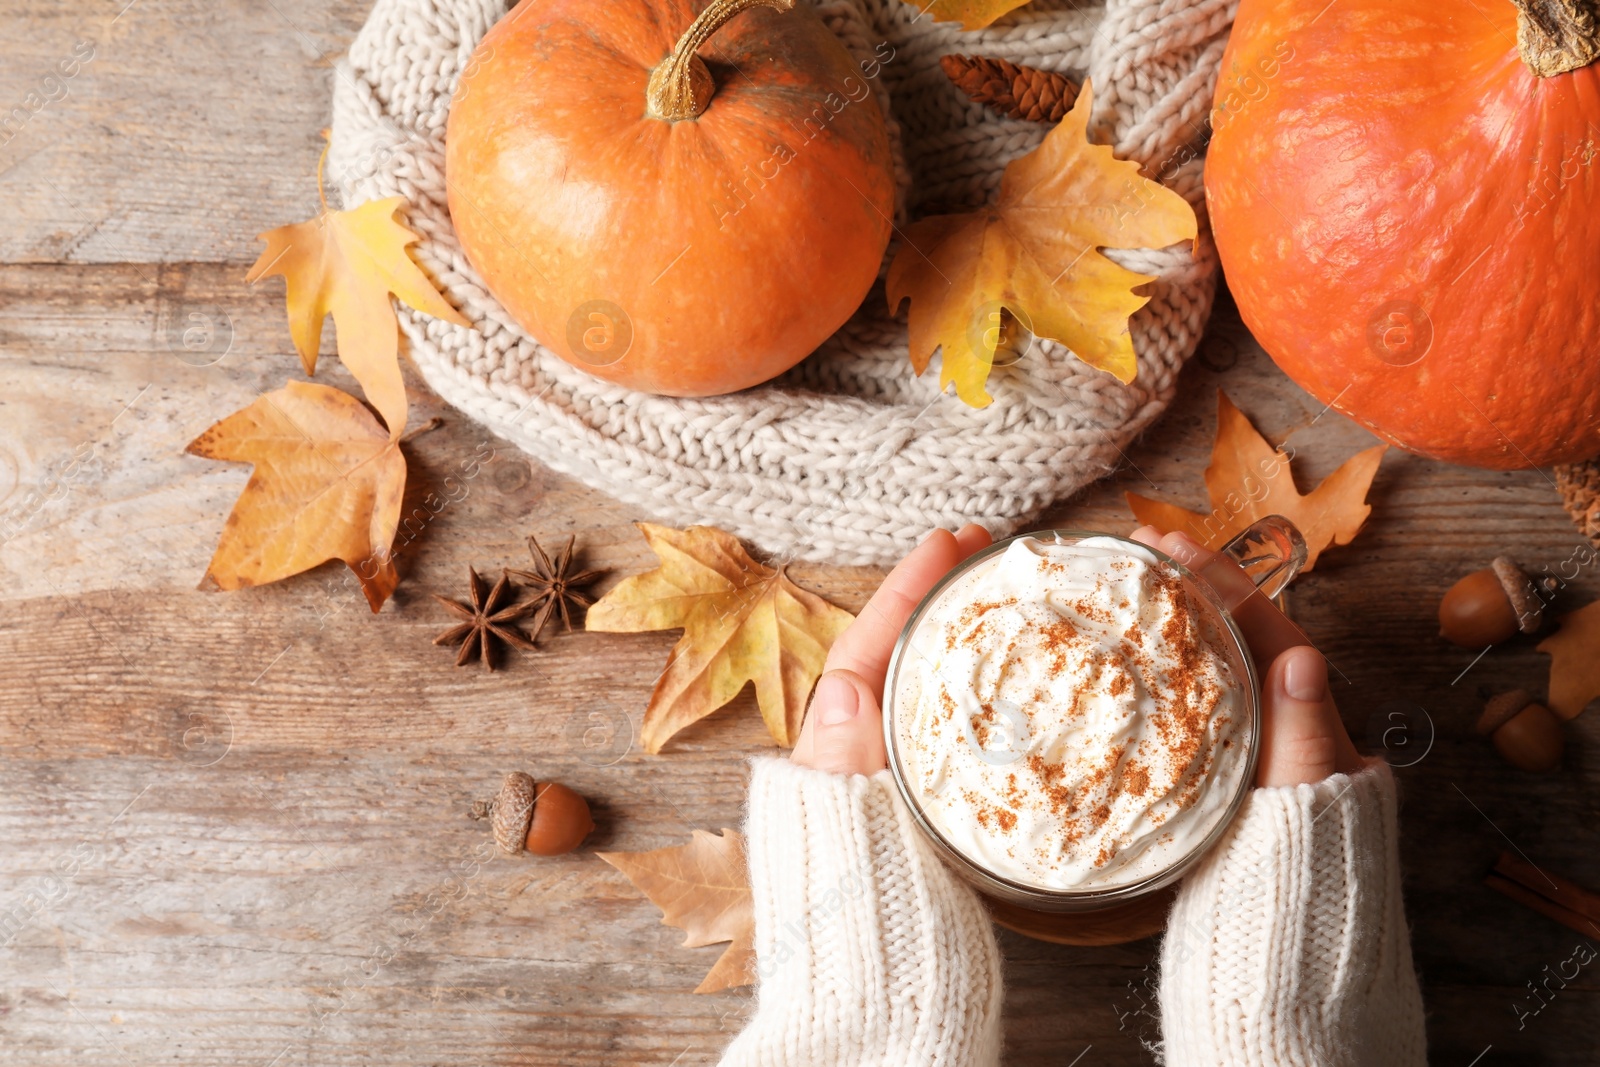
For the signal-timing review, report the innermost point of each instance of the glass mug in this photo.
(1271, 551)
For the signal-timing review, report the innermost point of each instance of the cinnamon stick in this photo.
(1548, 908)
(1563, 891)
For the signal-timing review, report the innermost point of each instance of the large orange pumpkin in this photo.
(1409, 216)
(683, 201)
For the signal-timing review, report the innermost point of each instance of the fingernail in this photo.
(1305, 674)
(1182, 550)
(836, 701)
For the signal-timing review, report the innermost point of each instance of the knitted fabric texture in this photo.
(1287, 947)
(848, 457)
(869, 953)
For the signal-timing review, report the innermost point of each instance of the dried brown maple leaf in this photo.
(345, 264)
(1248, 479)
(1035, 255)
(1574, 652)
(326, 485)
(702, 888)
(742, 622)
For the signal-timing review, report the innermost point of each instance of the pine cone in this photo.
(1015, 91)
(1579, 484)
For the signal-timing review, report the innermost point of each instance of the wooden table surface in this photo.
(233, 826)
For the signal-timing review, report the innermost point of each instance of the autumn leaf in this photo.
(327, 485)
(972, 14)
(702, 888)
(1035, 254)
(1248, 479)
(1574, 652)
(741, 621)
(346, 263)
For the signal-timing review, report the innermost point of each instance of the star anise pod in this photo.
(554, 589)
(486, 619)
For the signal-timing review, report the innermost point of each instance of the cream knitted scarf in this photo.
(848, 457)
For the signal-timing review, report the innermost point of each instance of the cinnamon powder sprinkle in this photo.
(1173, 764)
(1058, 639)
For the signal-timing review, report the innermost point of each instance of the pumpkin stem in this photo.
(1555, 36)
(681, 87)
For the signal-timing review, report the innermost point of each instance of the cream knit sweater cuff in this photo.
(869, 952)
(1288, 945)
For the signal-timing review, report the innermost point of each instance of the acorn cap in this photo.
(1525, 600)
(512, 812)
(1501, 709)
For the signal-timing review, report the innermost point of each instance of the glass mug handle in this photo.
(1271, 551)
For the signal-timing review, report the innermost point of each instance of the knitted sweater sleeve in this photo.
(869, 953)
(1288, 946)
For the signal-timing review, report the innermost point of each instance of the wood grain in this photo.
(193, 128)
(233, 826)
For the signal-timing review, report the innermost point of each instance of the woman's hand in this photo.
(843, 731)
(1302, 738)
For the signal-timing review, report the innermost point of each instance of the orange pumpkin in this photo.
(685, 218)
(1409, 216)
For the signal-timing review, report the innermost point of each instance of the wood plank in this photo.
(336, 906)
(193, 127)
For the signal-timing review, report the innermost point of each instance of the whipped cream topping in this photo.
(1065, 717)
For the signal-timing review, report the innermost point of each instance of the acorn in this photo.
(1527, 733)
(547, 819)
(1490, 606)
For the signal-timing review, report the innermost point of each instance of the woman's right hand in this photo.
(843, 730)
(1302, 738)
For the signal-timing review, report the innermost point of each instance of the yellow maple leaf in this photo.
(742, 622)
(1248, 479)
(1574, 652)
(346, 263)
(972, 14)
(703, 889)
(1034, 253)
(327, 485)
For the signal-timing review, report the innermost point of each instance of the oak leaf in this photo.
(1248, 479)
(346, 263)
(742, 622)
(327, 485)
(1035, 254)
(1574, 652)
(703, 889)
